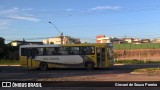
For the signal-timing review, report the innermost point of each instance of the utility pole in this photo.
(61, 33)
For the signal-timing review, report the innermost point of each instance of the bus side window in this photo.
(92, 50)
(23, 52)
(40, 51)
(56, 51)
(65, 50)
(50, 51)
(28, 52)
(74, 51)
(44, 51)
(34, 52)
(87, 50)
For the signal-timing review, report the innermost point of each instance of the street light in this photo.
(61, 33)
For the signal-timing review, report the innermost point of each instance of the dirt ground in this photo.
(138, 54)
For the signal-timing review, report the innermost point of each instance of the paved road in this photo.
(116, 73)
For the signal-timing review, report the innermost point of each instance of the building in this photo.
(57, 40)
(103, 39)
(145, 41)
(128, 40)
(18, 43)
(117, 41)
(156, 40)
(98, 38)
(136, 41)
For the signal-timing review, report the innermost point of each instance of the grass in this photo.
(134, 62)
(9, 62)
(148, 70)
(136, 46)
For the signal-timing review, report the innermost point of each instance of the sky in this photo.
(84, 19)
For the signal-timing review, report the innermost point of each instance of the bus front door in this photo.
(30, 57)
(28, 51)
(100, 53)
(28, 54)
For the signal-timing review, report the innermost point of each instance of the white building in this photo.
(128, 40)
(57, 40)
(104, 40)
(18, 43)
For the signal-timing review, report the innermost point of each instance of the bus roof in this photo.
(59, 45)
(48, 45)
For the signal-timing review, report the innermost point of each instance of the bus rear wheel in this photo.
(89, 66)
(43, 66)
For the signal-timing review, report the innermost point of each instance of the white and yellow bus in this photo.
(90, 56)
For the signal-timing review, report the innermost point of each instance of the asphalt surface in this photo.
(115, 73)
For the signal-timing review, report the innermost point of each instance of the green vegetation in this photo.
(129, 62)
(147, 70)
(9, 62)
(7, 51)
(134, 62)
(136, 46)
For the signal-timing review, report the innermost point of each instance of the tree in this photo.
(2, 47)
(2, 42)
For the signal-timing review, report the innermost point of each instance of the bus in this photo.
(85, 55)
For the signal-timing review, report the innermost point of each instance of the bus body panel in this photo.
(57, 61)
(23, 61)
(67, 59)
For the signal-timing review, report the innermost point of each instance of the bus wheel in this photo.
(43, 66)
(89, 66)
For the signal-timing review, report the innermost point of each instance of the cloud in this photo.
(9, 11)
(27, 9)
(4, 24)
(1, 6)
(28, 18)
(20, 14)
(69, 9)
(4, 27)
(105, 8)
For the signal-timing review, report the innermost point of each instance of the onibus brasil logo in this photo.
(21, 84)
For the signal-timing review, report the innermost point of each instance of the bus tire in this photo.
(89, 65)
(43, 66)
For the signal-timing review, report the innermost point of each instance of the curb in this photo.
(10, 65)
(137, 73)
(140, 64)
(142, 73)
(118, 64)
